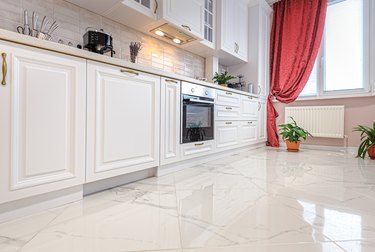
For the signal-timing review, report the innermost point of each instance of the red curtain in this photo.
(297, 31)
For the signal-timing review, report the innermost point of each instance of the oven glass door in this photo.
(197, 121)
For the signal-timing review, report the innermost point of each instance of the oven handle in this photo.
(199, 101)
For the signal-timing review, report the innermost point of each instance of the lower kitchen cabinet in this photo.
(248, 132)
(249, 108)
(197, 149)
(262, 120)
(170, 121)
(227, 134)
(122, 121)
(42, 122)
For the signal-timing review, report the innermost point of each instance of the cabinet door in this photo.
(265, 16)
(226, 98)
(249, 107)
(197, 149)
(123, 121)
(227, 113)
(227, 135)
(186, 14)
(242, 29)
(228, 25)
(262, 121)
(170, 121)
(42, 122)
(248, 132)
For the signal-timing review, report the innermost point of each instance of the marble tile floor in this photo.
(264, 200)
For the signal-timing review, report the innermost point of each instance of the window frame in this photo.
(368, 57)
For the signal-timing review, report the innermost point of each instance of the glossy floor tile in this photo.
(262, 200)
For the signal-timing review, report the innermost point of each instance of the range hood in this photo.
(171, 33)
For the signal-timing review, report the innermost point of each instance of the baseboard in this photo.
(37, 204)
(178, 166)
(351, 150)
(105, 184)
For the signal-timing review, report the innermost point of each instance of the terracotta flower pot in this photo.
(371, 152)
(292, 146)
(223, 84)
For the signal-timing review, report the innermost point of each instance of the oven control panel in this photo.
(197, 90)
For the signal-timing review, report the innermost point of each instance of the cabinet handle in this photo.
(228, 108)
(236, 47)
(260, 89)
(156, 6)
(186, 27)
(171, 81)
(4, 69)
(250, 122)
(228, 93)
(199, 144)
(228, 122)
(249, 97)
(259, 106)
(129, 71)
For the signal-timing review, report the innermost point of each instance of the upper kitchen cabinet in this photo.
(42, 122)
(256, 71)
(133, 13)
(232, 34)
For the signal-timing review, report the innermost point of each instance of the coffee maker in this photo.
(98, 41)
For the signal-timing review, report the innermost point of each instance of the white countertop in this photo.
(72, 51)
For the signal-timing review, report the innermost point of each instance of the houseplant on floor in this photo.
(291, 133)
(368, 141)
(223, 78)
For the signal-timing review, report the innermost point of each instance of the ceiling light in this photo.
(177, 41)
(159, 33)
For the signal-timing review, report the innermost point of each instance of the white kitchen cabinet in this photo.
(249, 107)
(122, 121)
(42, 122)
(227, 98)
(232, 34)
(225, 113)
(170, 121)
(256, 71)
(262, 120)
(226, 134)
(188, 15)
(197, 149)
(248, 132)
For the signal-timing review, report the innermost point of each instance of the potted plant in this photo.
(223, 78)
(368, 141)
(291, 133)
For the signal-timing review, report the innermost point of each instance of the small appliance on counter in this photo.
(98, 41)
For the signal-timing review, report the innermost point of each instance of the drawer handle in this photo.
(4, 69)
(199, 144)
(250, 122)
(186, 27)
(129, 71)
(228, 122)
(228, 108)
(228, 93)
(249, 97)
(171, 81)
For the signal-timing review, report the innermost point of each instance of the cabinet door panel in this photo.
(123, 119)
(186, 13)
(227, 113)
(46, 104)
(248, 132)
(249, 107)
(170, 121)
(262, 121)
(227, 135)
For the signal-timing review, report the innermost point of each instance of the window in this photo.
(342, 64)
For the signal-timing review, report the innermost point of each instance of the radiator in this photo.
(320, 121)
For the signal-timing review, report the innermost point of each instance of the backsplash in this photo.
(73, 21)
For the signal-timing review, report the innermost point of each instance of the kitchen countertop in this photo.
(72, 51)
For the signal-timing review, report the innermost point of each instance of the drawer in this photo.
(227, 135)
(248, 132)
(227, 98)
(249, 107)
(227, 113)
(197, 149)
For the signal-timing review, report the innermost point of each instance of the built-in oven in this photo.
(197, 113)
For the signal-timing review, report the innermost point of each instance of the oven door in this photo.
(197, 119)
